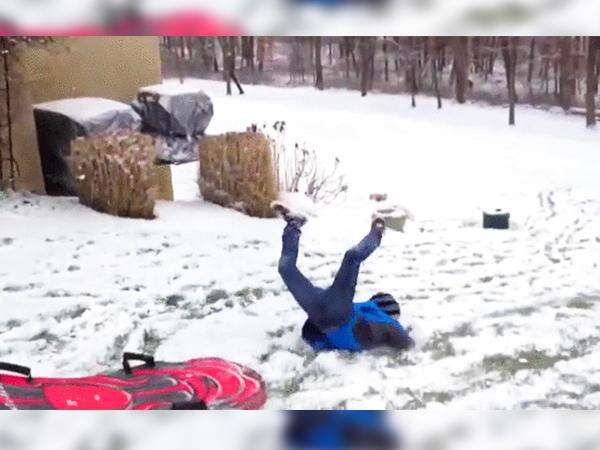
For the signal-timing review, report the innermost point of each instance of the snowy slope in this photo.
(503, 319)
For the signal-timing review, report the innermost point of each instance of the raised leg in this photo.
(305, 293)
(344, 284)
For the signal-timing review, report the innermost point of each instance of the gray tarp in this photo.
(176, 150)
(176, 113)
(61, 121)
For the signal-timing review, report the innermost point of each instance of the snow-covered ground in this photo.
(503, 319)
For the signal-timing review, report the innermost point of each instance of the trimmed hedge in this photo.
(115, 174)
(236, 171)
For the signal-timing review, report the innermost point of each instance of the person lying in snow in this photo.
(334, 320)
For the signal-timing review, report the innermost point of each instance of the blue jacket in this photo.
(368, 327)
(337, 430)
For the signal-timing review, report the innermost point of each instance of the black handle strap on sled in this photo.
(15, 368)
(127, 356)
(194, 404)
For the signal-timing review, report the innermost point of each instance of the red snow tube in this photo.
(205, 383)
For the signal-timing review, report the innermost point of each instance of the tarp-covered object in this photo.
(59, 122)
(176, 150)
(205, 383)
(174, 110)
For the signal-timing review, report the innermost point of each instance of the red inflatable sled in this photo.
(205, 383)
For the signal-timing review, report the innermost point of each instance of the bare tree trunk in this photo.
(413, 91)
(546, 69)
(434, 69)
(509, 54)
(443, 57)
(396, 41)
(372, 64)
(365, 63)
(260, 53)
(178, 61)
(555, 73)
(354, 64)
(477, 53)
(228, 48)
(461, 64)
(566, 79)
(531, 61)
(243, 51)
(232, 41)
(190, 47)
(492, 57)
(385, 59)
(4, 108)
(591, 80)
(318, 64)
(350, 44)
(214, 52)
(346, 42)
(247, 51)
(182, 47)
(4, 91)
(530, 65)
(579, 51)
(251, 52)
(227, 52)
(423, 48)
(233, 76)
(411, 72)
(7, 120)
(434, 74)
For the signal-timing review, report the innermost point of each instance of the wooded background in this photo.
(540, 71)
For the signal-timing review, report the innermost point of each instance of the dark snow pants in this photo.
(326, 308)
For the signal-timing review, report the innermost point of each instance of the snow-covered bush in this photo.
(114, 173)
(298, 168)
(236, 171)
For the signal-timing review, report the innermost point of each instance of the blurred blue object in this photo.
(339, 430)
(323, 2)
(335, 3)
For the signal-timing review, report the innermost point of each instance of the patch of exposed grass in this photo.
(508, 365)
(248, 295)
(437, 396)
(151, 342)
(215, 295)
(440, 344)
(45, 336)
(525, 311)
(72, 313)
(280, 332)
(291, 386)
(583, 302)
